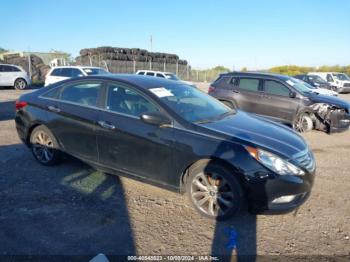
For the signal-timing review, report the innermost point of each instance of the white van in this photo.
(340, 82)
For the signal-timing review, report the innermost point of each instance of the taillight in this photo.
(211, 89)
(20, 104)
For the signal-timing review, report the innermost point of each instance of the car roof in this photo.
(79, 67)
(256, 74)
(10, 65)
(142, 81)
(152, 71)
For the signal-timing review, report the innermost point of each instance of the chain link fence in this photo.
(184, 72)
(131, 67)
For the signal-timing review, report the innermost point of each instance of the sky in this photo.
(253, 34)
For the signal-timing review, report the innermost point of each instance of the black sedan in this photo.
(171, 135)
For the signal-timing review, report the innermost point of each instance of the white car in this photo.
(321, 91)
(61, 73)
(12, 75)
(339, 81)
(167, 75)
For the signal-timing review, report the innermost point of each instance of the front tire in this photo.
(214, 191)
(44, 146)
(303, 123)
(20, 84)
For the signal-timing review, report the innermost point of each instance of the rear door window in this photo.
(56, 72)
(222, 82)
(276, 88)
(14, 69)
(76, 72)
(160, 75)
(82, 93)
(7, 68)
(150, 73)
(249, 84)
(66, 72)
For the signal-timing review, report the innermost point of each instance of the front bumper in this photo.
(340, 121)
(263, 193)
(344, 89)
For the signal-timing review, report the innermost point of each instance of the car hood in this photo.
(318, 98)
(188, 83)
(253, 130)
(323, 91)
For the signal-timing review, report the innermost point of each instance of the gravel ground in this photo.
(73, 209)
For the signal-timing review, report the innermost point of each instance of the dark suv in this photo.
(314, 81)
(282, 98)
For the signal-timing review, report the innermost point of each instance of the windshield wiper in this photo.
(221, 116)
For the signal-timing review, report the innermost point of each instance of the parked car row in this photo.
(338, 82)
(282, 98)
(61, 73)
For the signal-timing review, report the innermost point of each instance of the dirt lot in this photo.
(72, 209)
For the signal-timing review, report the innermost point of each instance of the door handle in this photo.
(106, 125)
(54, 109)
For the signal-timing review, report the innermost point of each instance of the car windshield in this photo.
(317, 79)
(342, 77)
(301, 86)
(191, 103)
(172, 76)
(309, 86)
(95, 71)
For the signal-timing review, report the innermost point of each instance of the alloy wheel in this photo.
(212, 194)
(43, 147)
(20, 84)
(303, 123)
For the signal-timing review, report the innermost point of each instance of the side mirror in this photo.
(292, 94)
(155, 118)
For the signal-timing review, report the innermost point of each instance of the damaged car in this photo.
(283, 99)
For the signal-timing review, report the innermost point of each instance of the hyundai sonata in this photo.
(171, 135)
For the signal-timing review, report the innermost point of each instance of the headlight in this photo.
(275, 163)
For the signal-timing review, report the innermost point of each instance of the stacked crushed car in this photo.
(38, 68)
(124, 60)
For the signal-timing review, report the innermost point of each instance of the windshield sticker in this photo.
(161, 92)
(290, 82)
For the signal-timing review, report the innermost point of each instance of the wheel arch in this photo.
(20, 77)
(33, 126)
(206, 161)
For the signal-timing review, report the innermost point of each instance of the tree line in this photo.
(292, 70)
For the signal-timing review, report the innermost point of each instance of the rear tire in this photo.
(20, 84)
(214, 191)
(44, 146)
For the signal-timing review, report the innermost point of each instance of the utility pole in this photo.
(29, 64)
(151, 41)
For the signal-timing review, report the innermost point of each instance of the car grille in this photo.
(347, 85)
(306, 160)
